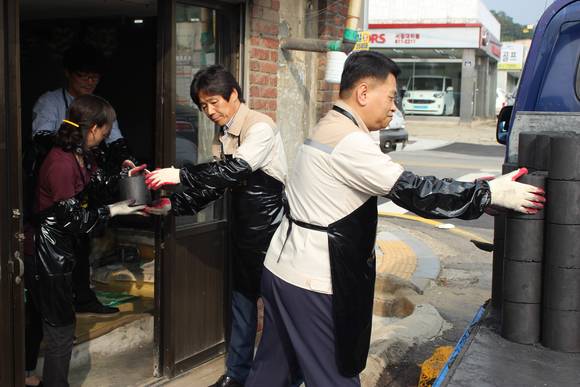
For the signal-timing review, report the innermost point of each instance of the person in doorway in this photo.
(252, 164)
(68, 204)
(83, 68)
(318, 280)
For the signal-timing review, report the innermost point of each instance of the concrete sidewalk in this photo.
(451, 130)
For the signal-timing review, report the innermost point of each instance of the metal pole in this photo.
(315, 45)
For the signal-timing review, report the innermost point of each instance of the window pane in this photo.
(194, 132)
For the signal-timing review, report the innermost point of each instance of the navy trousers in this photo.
(242, 338)
(298, 335)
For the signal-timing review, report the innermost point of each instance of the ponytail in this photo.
(84, 112)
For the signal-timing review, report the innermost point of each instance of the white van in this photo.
(429, 94)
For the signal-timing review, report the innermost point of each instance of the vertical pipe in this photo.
(351, 24)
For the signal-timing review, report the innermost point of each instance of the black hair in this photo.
(83, 58)
(366, 64)
(214, 80)
(85, 111)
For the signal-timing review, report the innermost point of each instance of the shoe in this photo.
(226, 381)
(95, 309)
(34, 385)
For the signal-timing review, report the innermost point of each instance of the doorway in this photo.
(169, 277)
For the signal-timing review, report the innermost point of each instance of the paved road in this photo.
(465, 279)
(456, 160)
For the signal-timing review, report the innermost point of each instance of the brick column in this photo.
(263, 52)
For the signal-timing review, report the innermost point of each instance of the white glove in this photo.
(506, 192)
(161, 177)
(161, 207)
(125, 208)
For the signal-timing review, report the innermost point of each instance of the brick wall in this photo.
(263, 55)
(330, 27)
(264, 47)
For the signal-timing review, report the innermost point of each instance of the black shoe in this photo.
(226, 381)
(95, 309)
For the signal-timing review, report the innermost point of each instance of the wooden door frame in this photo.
(165, 118)
(11, 237)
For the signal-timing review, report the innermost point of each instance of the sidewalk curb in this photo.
(428, 265)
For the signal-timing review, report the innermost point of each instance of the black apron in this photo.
(351, 251)
(258, 208)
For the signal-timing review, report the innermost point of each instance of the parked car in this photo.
(393, 137)
(429, 94)
(186, 118)
(501, 99)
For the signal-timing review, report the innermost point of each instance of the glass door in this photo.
(194, 264)
(194, 132)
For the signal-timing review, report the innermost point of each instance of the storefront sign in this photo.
(454, 37)
(362, 44)
(512, 57)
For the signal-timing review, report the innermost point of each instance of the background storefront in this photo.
(448, 53)
(511, 64)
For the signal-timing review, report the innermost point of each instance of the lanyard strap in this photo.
(65, 100)
(345, 113)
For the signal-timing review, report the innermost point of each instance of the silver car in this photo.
(395, 136)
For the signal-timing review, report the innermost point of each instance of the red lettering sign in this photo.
(378, 38)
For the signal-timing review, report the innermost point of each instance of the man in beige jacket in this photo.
(318, 280)
(251, 163)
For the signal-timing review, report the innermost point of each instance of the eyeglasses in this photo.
(88, 76)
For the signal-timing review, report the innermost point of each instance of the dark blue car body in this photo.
(550, 80)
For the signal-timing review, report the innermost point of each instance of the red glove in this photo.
(160, 177)
(137, 170)
(134, 169)
(160, 207)
(127, 164)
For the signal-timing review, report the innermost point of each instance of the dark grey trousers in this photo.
(58, 340)
(57, 354)
(298, 334)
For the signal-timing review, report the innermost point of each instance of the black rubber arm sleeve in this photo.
(216, 175)
(35, 151)
(193, 200)
(431, 197)
(103, 188)
(111, 156)
(74, 218)
(43, 141)
(119, 151)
